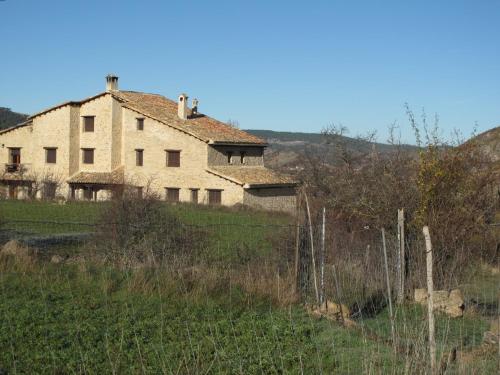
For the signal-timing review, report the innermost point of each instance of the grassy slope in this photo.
(56, 319)
(226, 229)
(62, 321)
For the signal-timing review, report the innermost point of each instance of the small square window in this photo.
(50, 155)
(173, 158)
(88, 155)
(139, 157)
(140, 124)
(172, 194)
(214, 197)
(88, 123)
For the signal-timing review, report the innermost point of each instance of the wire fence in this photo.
(234, 292)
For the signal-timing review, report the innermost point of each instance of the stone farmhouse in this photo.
(94, 148)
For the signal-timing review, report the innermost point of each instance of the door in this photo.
(12, 192)
(15, 156)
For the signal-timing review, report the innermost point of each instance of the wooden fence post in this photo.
(315, 280)
(322, 260)
(430, 299)
(401, 269)
(389, 296)
(297, 245)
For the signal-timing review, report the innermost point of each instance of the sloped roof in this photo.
(250, 177)
(116, 177)
(200, 126)
(20, 125)
(164, 110)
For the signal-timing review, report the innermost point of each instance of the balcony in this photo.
(15, 168)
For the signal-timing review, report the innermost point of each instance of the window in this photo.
(173, 158)
(15, 155)
(194, 195)
(214, 197)
(88, 155)
(229, 157)
(242, 157)
(139, 160)
(172, 194)
(140, 123)
(88, 123)
(49, 190)
(50, 155)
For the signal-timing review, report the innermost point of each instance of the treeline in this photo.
(9, 118)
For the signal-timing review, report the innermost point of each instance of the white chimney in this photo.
(182, 107)
(111, 82)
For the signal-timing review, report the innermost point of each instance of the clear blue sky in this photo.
(280, 65)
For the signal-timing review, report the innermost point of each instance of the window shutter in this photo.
(88, 123)
(214, 197)
(51, 155)
(139, 159)
(173, 158)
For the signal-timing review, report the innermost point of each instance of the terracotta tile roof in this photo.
(116, 177)
(252, 176)
(15, 177)
(199, 126)
(20, 125)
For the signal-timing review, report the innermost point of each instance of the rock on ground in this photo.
(451, 303)
(18, 251)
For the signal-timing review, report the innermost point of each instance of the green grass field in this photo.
(229, 232)
(59, 319)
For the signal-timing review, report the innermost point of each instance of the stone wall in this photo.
(275, 198)
(101, 139)
(154, 140)
(218, 155)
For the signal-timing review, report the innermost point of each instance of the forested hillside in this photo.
(9, 118)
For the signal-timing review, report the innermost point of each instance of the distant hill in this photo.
(489, 141)
(287, 149)
(9, 118)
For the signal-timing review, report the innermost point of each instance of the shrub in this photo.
(133, 229)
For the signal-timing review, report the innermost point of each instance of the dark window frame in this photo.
(84, 155)
(194, 195)
(172, 162)
(139, 157)
(214, 196)
(86, 125)
(176, 194)
(49, 190)
(15, 158)
(139, 125)
(48, 159)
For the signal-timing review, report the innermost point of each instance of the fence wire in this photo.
(230, 292)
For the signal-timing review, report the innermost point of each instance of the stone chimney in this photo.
(111, 82)
(182, 107)
(194, 107)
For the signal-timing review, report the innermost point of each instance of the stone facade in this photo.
(272, 198)
(117, 141)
